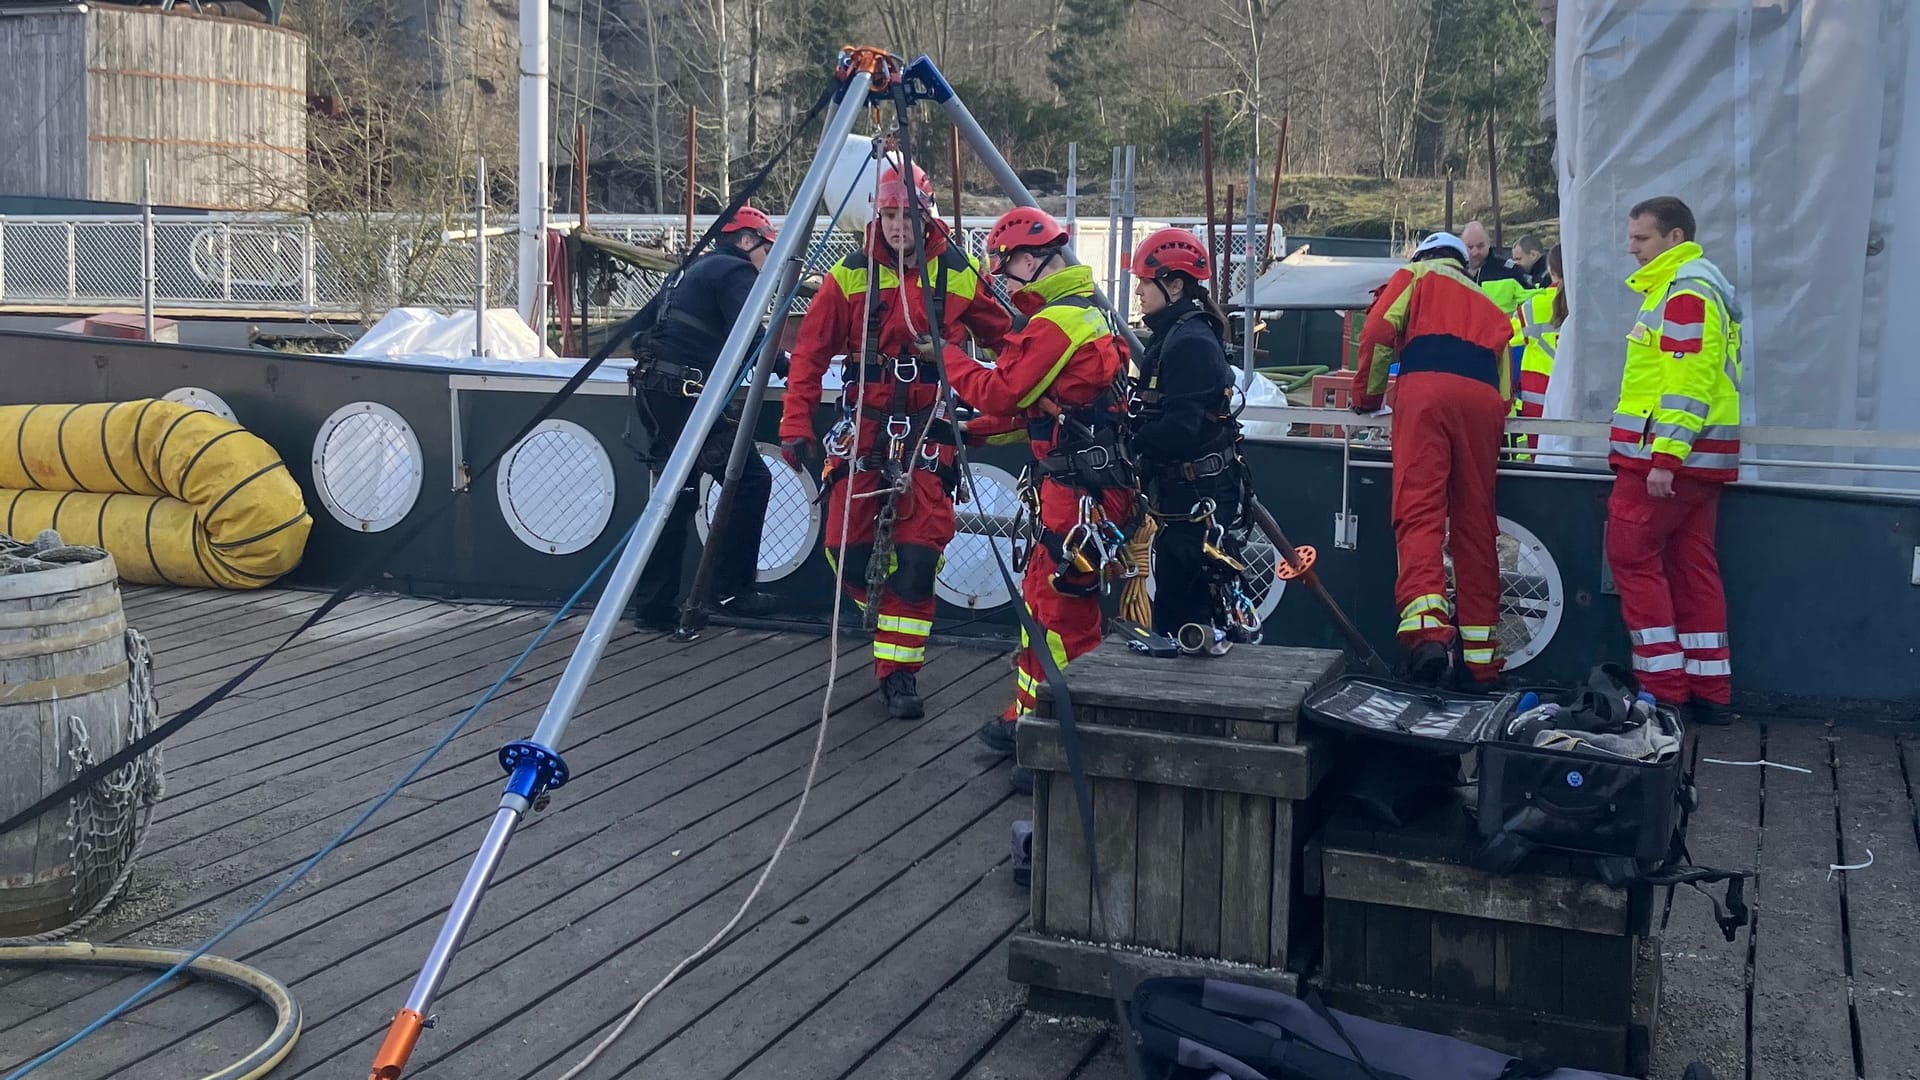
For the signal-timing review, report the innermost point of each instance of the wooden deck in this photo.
(876, 950)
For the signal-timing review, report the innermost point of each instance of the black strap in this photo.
(371, 568)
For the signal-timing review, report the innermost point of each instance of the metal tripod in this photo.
(534, 765)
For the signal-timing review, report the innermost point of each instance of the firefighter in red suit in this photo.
(1056, 377)
(1449, 414)
(874, 298)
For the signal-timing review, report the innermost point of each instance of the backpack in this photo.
(1209, 1029)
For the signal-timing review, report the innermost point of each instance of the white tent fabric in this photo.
(1792, 128)
(411, 331)
(1306, 280)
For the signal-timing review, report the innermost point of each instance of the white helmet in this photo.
(1441, 241)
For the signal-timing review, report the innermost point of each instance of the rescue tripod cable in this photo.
(535, 766)
(820, 732)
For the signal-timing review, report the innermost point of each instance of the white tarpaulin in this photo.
(1305, 280)
(412, 331)
(1792, 128)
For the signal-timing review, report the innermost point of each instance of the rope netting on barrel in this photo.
(107, 823)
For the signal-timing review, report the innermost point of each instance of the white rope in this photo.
(1833, 868)
(813, 766)
(1763, 762)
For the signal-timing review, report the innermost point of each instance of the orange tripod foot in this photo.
(1287, 571)
(398, 1046)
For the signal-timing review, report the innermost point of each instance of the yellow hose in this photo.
(176, 494)
(286, 1028)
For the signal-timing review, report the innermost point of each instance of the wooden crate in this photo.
(1548, 963)
(1200, 777)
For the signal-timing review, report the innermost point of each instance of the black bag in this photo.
(1207, 1029)
(1570, 796)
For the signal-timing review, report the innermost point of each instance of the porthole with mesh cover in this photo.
(367, 466)
(793, 516)
(556, 488)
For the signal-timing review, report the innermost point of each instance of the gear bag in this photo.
(1581, 771)
(1208, 1029)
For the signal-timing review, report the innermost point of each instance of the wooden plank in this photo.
(1246, 874)
(1116, 827)
(1042, 828)
(1597, 977)
(1038, 1048)
(962, 1022)
(1069, 878)
(1705, 1017)
(862, 1017)
(1159, 867)
(1283, 899)
(878, 892)
(1400, 949)
(1461, 890)
(1200, 879)
(1078, 967)
(1265, 683)
(1463, 959)
(581, 901)
(1800, 1017)
(1343, 944)
(1527, 967)
(1282, 772)
(1883, 923)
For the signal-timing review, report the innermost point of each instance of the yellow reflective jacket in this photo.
(1679, 403)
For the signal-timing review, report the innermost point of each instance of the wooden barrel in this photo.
(63, 698)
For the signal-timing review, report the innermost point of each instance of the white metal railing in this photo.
(344, 265)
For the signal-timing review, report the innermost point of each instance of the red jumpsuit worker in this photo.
(1675, 445)
(903, 398)
(1449, 416)
(1067, 356)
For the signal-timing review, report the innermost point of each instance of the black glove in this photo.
(798, 451)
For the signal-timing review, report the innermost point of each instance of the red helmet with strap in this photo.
(1171, 250)
(748, 218)
(892, 192)
(1022, 227)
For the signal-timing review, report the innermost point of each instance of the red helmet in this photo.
(1022, 227)
(892, 193)
(1171, 250)
(748, 218)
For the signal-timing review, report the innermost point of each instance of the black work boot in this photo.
(750, 604)
(996, 735)
(902, 694)
(1710, 714)
(1427, 664)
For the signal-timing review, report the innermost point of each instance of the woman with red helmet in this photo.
(1185, 440)
(1055, 377)
(874, 300)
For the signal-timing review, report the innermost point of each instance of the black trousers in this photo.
(738, 558)
(1180, 592)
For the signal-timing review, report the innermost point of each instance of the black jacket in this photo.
(705, 305)
(1187, 364)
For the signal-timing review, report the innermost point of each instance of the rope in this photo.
(1135, 605)
(819, 738)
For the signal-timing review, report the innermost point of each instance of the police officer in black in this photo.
(1185, 436)
(689, 323)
